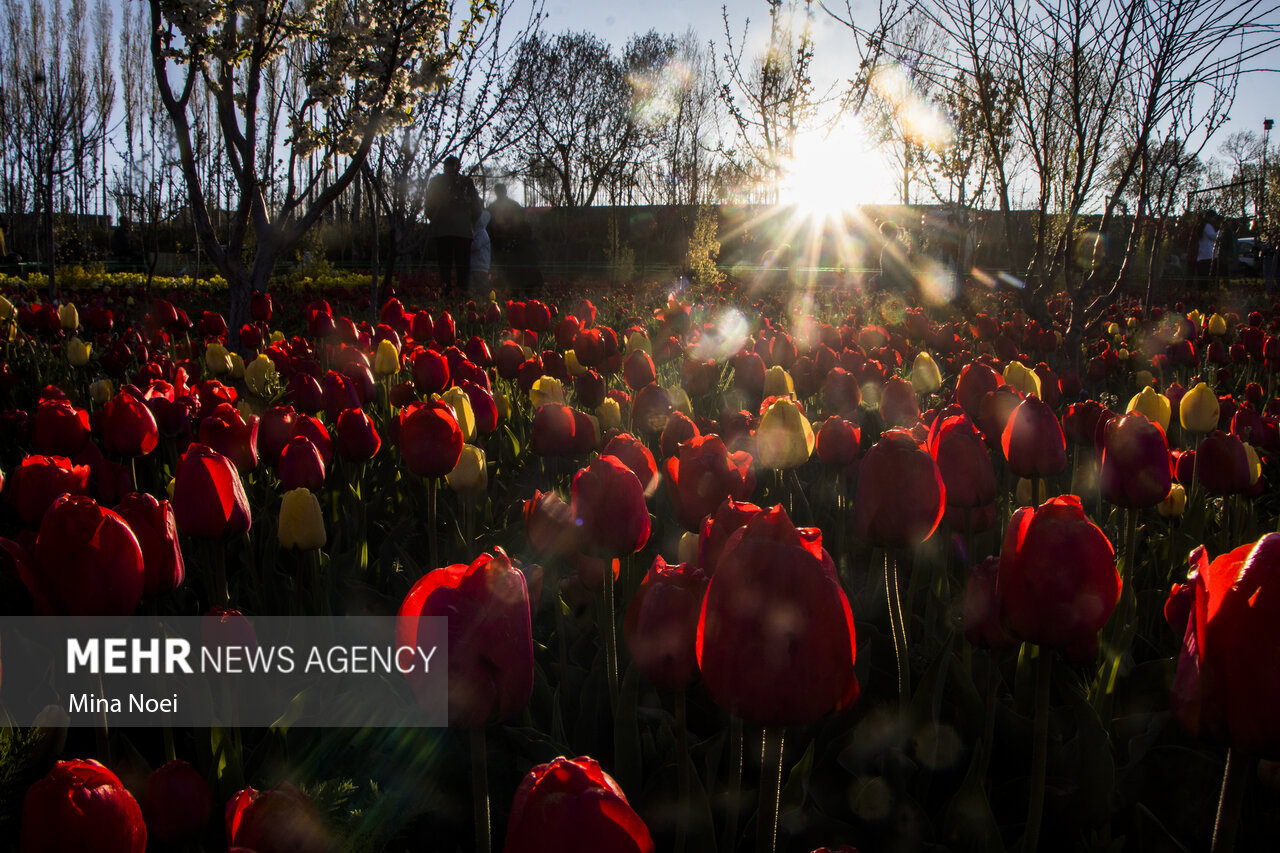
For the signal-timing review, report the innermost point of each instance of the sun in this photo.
(835, 171)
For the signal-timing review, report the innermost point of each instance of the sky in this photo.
(835, 56)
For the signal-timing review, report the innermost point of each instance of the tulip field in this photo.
(723, 568)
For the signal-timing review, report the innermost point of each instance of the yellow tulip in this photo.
(1255, 464)
(1217, 324)
(1113, 329)
(8, 319)
(301, 521)
(1022, 378)
(1123, 354)
(777, 382)
(1153, 404)
(1131, 323)
(260, 376)
(639, 340)
(679, 400)
(100, 391)
(1143, 378)
(609, 413)
(546, 389)
(78, 352)
(1174, 503)
(926, 378)
(458, 400)
(1199, 409)
(471, 474)
(69, 317)
(784, 438)
(503, 404)
(1196, 318)
(277, 336)
(571, 363)
(386, 361)
(217, 360)
(237, 365)
(688, 552)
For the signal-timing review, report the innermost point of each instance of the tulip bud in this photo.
(610, 414)
(679, 400)
(688, 548)
(277, 336)
(926, 378)
(458, 400)
(100, 391)
(217, 360)
(237, 365)
(1153, 404)
(546, 389)
(572, 804)
(471, 474)
(784, 438)
(301, 521)
(1217, 325)
(260, 376)
(77, 352)
(571, 364)
(1175, 503)
(386, 361)
(1022, 378)
(1199, 409)
(778, 383)
(81, 805)
(68, 317)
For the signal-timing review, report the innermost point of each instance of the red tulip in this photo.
(87, 562)
(60, 429)
(81, 805)
(976, 381)
(429, 438)
(718, 528)
(638, 370)
(275, 427)
(1135, 462)
(279, 820)
(312, 429)
(552, 431)
(1222, 465)
(208, 497)
(900, 497)
(608, 503)
(650, 409)
(661, 627)
(1058, 581)
(260, 306)
(227, 431)
(301, 465)
(703, 475)
(39, 480)
(177, 803)
(632, 452)
(1228, 680)
(490, 644)
(679, 429)
(776, 639)
(430, 372)
(1033, 441)
(156, 530)
(549, 525)
(571, 804)
(838, 442)
(357, 438)
(963, 460)
(128, 426)
(898, 405)
(982, 619)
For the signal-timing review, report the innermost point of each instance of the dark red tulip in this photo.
(430, 372)
(608, 503)
(279, 820)
(549, 525)
(982, 619)
(1080, 422)
(638, 370)
(229, 433)
(537, 316)
(632, 452)
(81, 805)
(1135, 462)
(1227, 685)
(1058, 581)
(702, 475)
(429, 438)
(39, 480)
(87, 562)
(898, 404)
(590, 347)
(551, 432)
(900, 497)
(177, 803)
(1033, 441)
(748, 373)
(60, 429)
(994, 412)
(571, 804)
(661, 627)
(128, 426)
(318, 434)
(650, 409)
(340, 394)
(976, 381)
(963, 460)
(1222, 465)
(718, 528)
(444, 331)
(679, 429)
(208, 497)
(776, 641)
(301, 465)
(490, 644)
(589, 386)
(260, 306)
(838, 442)
(356, 438)
(154, 526)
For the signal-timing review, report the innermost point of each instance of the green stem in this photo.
(480, 789)
(1040, 749)
(1235, 779)
(608, 628)
(897, 626)
(771, 749)
(433, 534)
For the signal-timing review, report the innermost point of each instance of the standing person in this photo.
(1225, 250)
(512, 238)
(1205, 248)
(481, 254)
(452, 205)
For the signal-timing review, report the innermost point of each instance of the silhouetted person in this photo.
(452, 205)
(895, 268)
(511, 235)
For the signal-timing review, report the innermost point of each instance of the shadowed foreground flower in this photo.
(572, 804)
(81, 805)
(279, 820)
